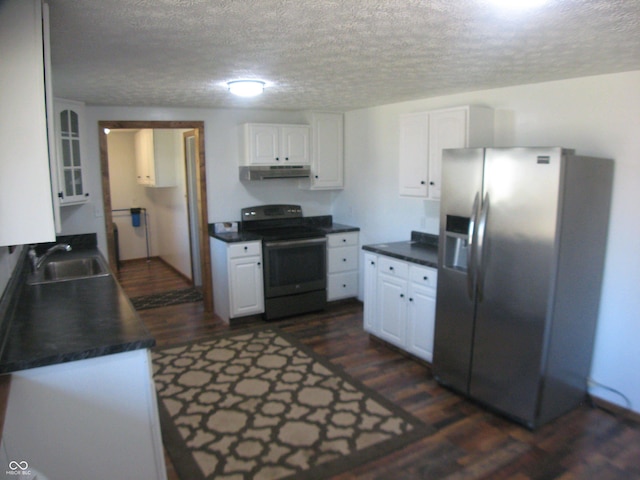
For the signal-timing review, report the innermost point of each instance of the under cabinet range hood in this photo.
(265, 172)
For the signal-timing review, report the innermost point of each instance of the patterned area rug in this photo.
(174, 297)
(260, 405)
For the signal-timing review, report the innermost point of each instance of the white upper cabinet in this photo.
(414, 147)
(69, 152)
(327, 152)
(270, 144)
(26, 208)
(294, 144)
(424, 135)
(158, 154)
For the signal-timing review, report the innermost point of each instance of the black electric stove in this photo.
(294, 257)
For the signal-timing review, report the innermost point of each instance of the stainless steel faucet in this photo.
(36, 262)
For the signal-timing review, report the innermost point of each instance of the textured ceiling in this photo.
(327, 54)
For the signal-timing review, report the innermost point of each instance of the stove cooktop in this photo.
(289, 232)
(277, 222)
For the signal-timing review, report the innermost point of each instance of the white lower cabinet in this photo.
(392, 300)
(421, 318)
(399, 303)
(95, 418)
(370, 279)
(342, 265)
(237, 279)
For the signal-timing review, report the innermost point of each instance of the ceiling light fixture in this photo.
(246, 88)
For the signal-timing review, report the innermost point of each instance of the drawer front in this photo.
(342, 285)
(425, 276)
(245, 249)
(342, 259)
(342, 239)
(391, 266)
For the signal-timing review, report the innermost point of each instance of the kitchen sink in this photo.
(64, 269)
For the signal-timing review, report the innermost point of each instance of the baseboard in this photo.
(401, 351)
(159, 259)
(615, 409)
(138, 260)
(178, 272)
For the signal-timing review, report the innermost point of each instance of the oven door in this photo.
(294, 266)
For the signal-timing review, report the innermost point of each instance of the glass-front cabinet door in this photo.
(71, 185)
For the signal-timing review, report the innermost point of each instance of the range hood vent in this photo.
(266, 172)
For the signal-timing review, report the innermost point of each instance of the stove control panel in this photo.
(271, 212)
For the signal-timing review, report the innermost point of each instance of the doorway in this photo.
(196, 196)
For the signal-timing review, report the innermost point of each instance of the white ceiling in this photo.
(327, 54)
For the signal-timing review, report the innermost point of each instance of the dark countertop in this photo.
(339, 228)
(323, 223)
(233, 237)
(421, 249)
(73, 320)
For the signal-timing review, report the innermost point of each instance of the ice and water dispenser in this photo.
(456, 245)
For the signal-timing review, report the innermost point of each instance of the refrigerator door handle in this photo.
(480, 261)
(471, 242)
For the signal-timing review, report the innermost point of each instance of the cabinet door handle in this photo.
(391, 268)
(344, 240)
(402, 295)
(344, 285)
(258, 263)
(344, 259)
(316, 176)
(246, 248)
(432, 183)
(372, 262)
(425, 278)
(286, 159)
(277, 159)
(410, 299)
(422, 182)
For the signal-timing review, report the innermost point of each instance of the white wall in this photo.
(127, 193)
(226, 194)
(595, 115)
(171, 226)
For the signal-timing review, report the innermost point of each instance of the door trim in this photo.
(203, 217)
(193, 211)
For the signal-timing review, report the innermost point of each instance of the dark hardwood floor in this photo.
(141, 277)
(470, 443)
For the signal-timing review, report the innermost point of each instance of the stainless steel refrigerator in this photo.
(521, 256)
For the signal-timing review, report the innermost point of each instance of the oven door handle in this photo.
(295, 243)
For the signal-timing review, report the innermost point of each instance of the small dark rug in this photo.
(174, 297)
(261, 405)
